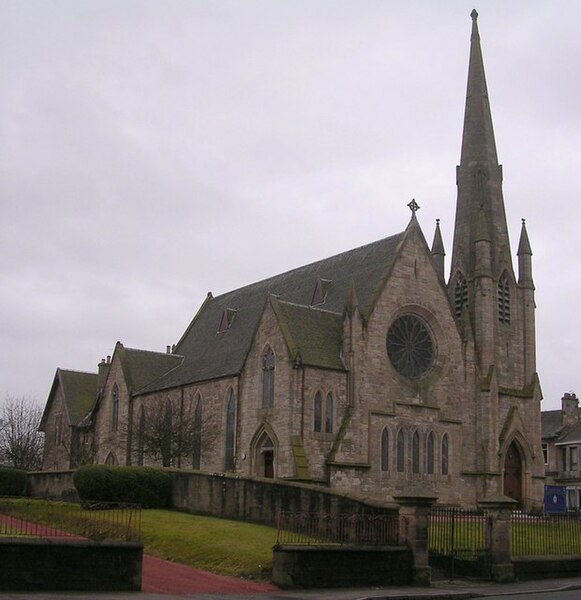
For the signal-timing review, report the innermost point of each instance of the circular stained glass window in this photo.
(410, 347)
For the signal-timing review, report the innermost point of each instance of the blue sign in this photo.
(555, 499)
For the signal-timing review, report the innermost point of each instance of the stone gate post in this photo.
(499, 510)
(414, 513)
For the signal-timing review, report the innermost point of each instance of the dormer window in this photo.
(227, 319)
(320, 293)
(504, 299)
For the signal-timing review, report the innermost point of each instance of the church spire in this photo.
(438, 251)
(479, 176)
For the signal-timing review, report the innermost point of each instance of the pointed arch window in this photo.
(318, 413)
(384, 450)
(445, 455)
(329, 413)
(230, 431)
(504, 299)
(141, 437)
(268, 370)
(430, 446)
(416, 452)
(115, 409)
(167, 435)
(460, 296)
(400, 451)
(197, 434)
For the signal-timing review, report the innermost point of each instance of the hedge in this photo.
(12, 482)
(151, 488)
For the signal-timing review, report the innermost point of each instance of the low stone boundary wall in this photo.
(69, 565)
(546, 567)
(259, 501)
(53, 485)
(344, 566)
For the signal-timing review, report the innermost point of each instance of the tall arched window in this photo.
(445, 454)
(400, 452)
(141, 437)
(318, 413)
(115, 409)
(329, 413)
(430, 454)
(504, 299)
(268, 367)
(384, 450)
(416, 452)
(167, 435)
(197, 433)
(230, 432)
(460, 295)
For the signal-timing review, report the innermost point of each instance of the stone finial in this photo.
(474, 14)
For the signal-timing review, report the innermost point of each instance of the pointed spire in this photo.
(478, 141)
(524, 246)
(438, 250)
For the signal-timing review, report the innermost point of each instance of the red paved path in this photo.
(165, 577)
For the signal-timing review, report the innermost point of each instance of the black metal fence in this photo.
(316, 529)
(533, 535)
(92, 520)
(458, 532)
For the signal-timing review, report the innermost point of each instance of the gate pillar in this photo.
(414, 513)
(499, 510)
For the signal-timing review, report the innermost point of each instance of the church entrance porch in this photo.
(264, 456)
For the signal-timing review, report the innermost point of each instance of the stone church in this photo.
(369, 372)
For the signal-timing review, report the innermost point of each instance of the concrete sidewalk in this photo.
(457, 590)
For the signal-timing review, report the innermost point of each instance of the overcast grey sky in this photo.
(152, 151)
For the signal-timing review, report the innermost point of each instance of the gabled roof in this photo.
(314, 337)
(79, 393)
(143, 367)
(210, 354)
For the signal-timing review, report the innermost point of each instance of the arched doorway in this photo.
(513, 473)
(264, 456)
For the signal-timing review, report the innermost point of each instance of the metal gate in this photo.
(459, 538)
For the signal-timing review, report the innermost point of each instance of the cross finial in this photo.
(414, 206)
(523, 221)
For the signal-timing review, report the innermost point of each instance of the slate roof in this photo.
(209, 354)
(551, 423)
(80, 394)
(572, 436)
(142, 367)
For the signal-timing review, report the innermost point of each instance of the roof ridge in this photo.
(306, 266)
(151, 352)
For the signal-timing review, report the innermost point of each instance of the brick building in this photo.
(369, 371)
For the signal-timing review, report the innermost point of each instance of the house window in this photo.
(318, 412)
(460, 296)
(416, 452)
(115, 409)
(564, 458)
(385, 450)
(545, 448)
(400, 453)
(329, 414)
(141, 437)
(573, 458)
(230, 431)
(445, 455)
(430, 454)
(268, 367)
(197, 433)
(504, 299)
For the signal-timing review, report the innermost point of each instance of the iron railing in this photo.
(458, 532)
(91, 520)
(533, 535)
(316, 529)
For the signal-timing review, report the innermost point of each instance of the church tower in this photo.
(494, 311)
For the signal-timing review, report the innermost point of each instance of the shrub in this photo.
(12, 482)
(151, 488)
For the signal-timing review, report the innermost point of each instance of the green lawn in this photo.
(218, 545)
